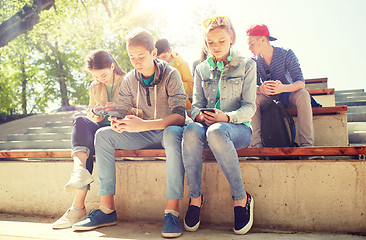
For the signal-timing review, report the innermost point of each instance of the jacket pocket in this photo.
(206, 83)
(236, 85)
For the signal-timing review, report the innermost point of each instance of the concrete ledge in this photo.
(327, 195)
(329, 130)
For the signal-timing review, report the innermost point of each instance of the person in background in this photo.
(108, 76)
(279, 77)
(225, 82)
(175, 60)
(201, 59)
(158, 90)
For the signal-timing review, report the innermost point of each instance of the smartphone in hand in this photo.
(269, 82)
(114, 114)
(203, 110)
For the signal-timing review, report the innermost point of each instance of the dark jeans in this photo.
(82, 138)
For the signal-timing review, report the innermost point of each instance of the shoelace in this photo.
(172, 219)
(92, 212)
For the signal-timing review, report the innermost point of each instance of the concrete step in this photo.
(354, 94)
(352, 103)
(58, 124)
(340, 92)
(41, 136)
(351, 98)
(357, 137)
(356, 126)
(36, 144)
(310, 86)
(357, 144)
(356, 117)
(38, 130)
(356, 109)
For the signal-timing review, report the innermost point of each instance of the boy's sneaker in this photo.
(96, 218)
(171, 227)
(70, 217)
(244, 216)
(80, 177)
(192, 218)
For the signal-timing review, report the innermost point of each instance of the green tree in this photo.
(46, 65)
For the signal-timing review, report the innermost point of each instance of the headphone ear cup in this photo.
(220, 65)
(230, 57)
(211, 62)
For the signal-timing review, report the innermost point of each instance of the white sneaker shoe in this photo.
(70, 217)
(80, 177)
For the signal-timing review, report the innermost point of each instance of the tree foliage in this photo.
(45, 66)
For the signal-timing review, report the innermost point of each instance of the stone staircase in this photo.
(54, 132)
(356, 114)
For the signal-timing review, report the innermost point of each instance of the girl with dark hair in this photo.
(107, 75)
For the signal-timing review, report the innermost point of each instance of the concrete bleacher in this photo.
(356, 114)
(296, 195)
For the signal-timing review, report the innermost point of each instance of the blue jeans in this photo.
(223, 139)
(107, 140)
(82, 139)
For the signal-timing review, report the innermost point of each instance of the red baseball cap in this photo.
(259, 30)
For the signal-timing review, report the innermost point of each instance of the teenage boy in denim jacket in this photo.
(158, 90)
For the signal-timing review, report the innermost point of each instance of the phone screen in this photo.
(207, 110)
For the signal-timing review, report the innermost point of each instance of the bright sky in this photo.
(327, 36)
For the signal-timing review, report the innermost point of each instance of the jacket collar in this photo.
(159, 70)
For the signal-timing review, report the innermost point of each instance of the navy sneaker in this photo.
(192, 218)
(95, 219)
(244, 216)
(171, 227)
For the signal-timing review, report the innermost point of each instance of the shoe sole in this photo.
(171, 235)
(69, 188)
(84, 228)
(191, 229)
(247, 227)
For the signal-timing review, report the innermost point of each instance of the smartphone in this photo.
(114, 114)
(203, 110)
(269, 82)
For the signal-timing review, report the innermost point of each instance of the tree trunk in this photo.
(23, 21)
(63, 87)
(24, 86)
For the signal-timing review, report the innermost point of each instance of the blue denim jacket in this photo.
(237, 88)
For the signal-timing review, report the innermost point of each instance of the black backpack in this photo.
(277, 126)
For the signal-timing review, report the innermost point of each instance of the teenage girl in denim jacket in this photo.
(226, 82)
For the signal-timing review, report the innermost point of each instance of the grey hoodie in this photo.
(163, 97)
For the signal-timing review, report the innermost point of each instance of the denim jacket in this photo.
(237, 88)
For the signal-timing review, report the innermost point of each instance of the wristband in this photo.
(258, 91)
(228, 118)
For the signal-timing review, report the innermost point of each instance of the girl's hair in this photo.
(218, 22)
(101, 59)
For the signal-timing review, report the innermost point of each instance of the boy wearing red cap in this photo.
(279, 77)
